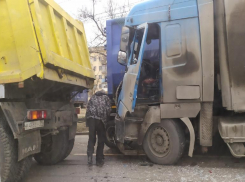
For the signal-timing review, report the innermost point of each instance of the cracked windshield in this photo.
(122, 91)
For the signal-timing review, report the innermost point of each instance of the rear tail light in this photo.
(35, 115)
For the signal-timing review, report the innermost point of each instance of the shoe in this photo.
(100, 163)
(90, 159)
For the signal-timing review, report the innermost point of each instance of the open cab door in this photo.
(128, 95)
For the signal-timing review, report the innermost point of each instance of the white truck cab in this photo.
(180, 85)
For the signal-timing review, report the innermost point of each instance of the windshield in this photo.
(135, 46)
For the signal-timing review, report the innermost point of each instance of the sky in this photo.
(72, 7)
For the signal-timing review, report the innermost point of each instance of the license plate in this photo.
(34, 124)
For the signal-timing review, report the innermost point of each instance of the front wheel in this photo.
(164, 142)
(110, 135)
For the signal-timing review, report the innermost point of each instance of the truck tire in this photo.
(8, 153)
(110, 133)
(69, 148)
(164, 142)
(53, 148)
(24, 168)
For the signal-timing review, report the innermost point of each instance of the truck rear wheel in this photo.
(24, 167)
(53, 148)
(69, 148)
(8, 153)
(164, 142)
(70, 145)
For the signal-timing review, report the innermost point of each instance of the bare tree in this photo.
(112, 10)
(87, 15)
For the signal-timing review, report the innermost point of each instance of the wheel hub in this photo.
(159, 141)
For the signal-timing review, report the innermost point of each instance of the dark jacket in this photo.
(99, 107)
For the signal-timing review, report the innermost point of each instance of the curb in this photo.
(82, 133)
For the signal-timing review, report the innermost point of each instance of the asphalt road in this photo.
(135, 168)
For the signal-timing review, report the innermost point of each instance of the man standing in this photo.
(98, 112)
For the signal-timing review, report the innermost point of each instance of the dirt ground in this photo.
(120, 168)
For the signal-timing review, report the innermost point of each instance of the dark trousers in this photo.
(96, 126)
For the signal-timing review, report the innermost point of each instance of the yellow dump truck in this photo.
(44, 63)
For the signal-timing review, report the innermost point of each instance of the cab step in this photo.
(122, 149)
(134, 120)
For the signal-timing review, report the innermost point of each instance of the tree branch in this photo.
(112, 11)
(97, 52)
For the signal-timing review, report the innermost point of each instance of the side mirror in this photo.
(124, 39)
(122, 58)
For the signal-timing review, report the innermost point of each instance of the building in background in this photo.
(99, 65)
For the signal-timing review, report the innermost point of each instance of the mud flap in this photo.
(29, 144)
(192, 135)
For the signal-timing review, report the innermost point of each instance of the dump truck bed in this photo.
(38, 38)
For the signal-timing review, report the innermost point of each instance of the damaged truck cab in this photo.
(170, 90)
